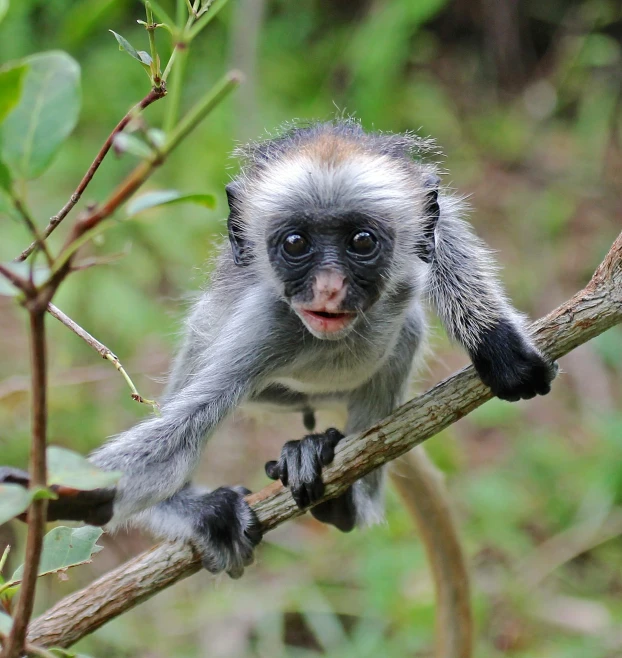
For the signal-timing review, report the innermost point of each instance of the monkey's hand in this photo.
(511, 366)
(224, 529)
(300, 465)
(93, 507)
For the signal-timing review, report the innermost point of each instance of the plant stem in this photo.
(206, 18)
(38, 508)
(151, 97)
(156, 80)
(102, 350)
(176, 85)
(136, 178)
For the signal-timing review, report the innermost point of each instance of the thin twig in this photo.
(39, 242)
(102, 350)
(20, 283)
(91, 220)
(37, 511)
(150, 98)
(590, 312)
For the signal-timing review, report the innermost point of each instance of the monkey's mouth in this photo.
(324, 322)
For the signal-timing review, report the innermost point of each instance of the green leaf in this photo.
(139, 55)
(156, 137)
(46, 114)
(145, 57)
(6, 623)
(64, 548)
(11, 85)
(4, 7)
(73, 470)
(14, 499)
(126, 143)
(40, 274)
(165, 198)
(5, 178)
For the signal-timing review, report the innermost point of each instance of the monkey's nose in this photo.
(329, 289)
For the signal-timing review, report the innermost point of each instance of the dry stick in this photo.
(37, 512)
(591, 311)
(422, 489)
(151, 97)
(102, 350)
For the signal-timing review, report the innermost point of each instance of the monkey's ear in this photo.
(431, 213)
(239, 244)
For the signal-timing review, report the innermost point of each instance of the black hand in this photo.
(511, 366)
(93, 507)
(227, 530)
(300, 465)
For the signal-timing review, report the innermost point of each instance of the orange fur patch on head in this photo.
(331, 150)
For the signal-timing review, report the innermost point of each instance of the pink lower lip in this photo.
(329, 324)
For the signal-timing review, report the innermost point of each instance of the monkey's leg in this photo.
(94, 507)
(300, 465)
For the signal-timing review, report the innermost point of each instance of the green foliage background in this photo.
(525, 104)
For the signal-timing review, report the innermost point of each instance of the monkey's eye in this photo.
(363, 243)
(296, 245)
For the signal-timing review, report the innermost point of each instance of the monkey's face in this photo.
(332, 267)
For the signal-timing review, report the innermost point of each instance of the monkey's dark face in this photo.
(332, 267)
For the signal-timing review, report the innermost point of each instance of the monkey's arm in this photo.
(464, 289)
(157, 457)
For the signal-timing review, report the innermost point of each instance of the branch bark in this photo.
(590, 312)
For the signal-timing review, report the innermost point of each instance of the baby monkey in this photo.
(337, 237)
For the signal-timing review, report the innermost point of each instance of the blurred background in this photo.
(524, 97)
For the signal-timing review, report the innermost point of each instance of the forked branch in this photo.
(590, 312)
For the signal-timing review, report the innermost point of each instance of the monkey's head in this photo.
(335, 218)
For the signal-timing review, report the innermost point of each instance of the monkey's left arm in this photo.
(464, 289)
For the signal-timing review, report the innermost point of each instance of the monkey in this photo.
(338, 240)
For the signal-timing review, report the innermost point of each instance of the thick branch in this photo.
(590, 312)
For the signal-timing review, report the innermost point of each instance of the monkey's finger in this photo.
(542, 388)
(334, 435)
(290, 464)
(254, 534)
(301, 496)
(272, 470)
(236, 572)
(326, 452)
(316, 490)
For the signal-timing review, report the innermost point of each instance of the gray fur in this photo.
(244, 344)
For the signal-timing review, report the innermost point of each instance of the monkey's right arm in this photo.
(157, 457)
(465, 291)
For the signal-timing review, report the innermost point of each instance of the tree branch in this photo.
(37, 512)
(590, 312)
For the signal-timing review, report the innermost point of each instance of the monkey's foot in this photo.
(226, 530)
(300, 465)
(511, 366)
(93, 507)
